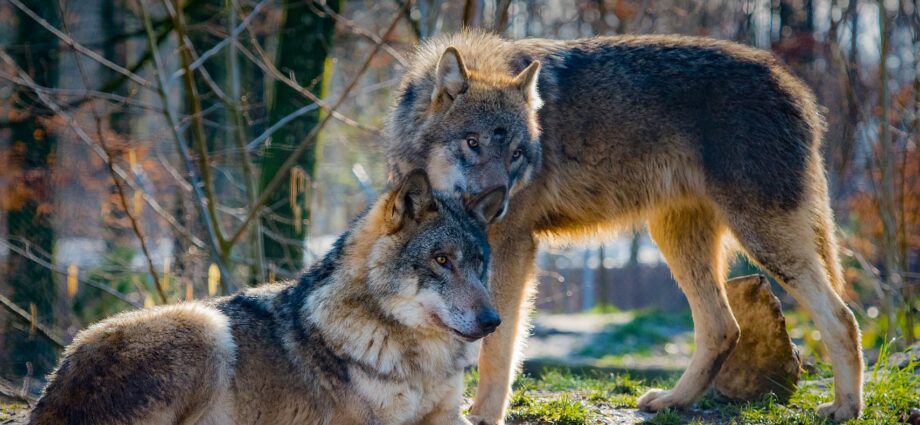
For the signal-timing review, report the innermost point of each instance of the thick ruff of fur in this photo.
(710, 143)
(351, 342)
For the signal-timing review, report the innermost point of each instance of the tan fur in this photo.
(636, 130)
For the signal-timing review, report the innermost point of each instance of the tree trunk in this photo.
(303, 47)
(886, 202)
(29, 216)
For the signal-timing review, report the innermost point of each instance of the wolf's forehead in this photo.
(483, 113)
(449, 233)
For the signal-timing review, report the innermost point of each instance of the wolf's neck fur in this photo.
(348, 314)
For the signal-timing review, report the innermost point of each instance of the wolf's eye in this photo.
(516, 154)
(472, 142)
(442, 261)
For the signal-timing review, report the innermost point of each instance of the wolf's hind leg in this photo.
(161, 366)
(689, 237)
(513, 255)
(799, 249)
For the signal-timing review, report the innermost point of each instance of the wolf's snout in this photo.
(488, 320)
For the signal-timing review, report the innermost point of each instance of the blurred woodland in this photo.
(158, 151)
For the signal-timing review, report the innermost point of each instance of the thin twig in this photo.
(110, 85)
(265, 63)
(357, 29)
(79, 47)
(134, 224)
(282, 174)
(42, 329)
(223, 43)
(85, 95)
(254, 144)
(27, 254)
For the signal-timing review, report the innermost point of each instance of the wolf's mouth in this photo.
(440, 323)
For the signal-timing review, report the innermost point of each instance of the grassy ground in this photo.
(560, 396)
(12, 413)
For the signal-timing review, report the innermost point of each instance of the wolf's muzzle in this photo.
(488, 320)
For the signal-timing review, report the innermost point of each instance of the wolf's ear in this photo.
(410, 200)
(451, 78)
(488, 205)
(526, 82)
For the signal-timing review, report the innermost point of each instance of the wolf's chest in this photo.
(404, 402)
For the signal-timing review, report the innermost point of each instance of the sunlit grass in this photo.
(559, 396)
(8, 411)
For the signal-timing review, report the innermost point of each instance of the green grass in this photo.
(558, 396)
(562, 410)
(8, 411)
(667, 417)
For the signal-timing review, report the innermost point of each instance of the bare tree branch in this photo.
(223, 43)
(501, 16)
(255, 143)
(42, 329)
(357, 29)
(79, 47)
(282, 173)
(265, 63)
(118, 186)
(215, 245)
(201, 146)
(27, 254)
(41, 91)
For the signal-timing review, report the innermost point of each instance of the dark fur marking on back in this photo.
(752, 140)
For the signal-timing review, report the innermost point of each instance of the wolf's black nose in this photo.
(489, 320)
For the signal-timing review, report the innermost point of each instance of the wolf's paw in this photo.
(840, 411)
(656, 400)
(478, 420)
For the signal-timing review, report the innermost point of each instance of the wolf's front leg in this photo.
(447, 410)
(513, 254)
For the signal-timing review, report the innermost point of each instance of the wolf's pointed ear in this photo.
(451, 78)
(488, 205)
(410, 200)
(526, 82)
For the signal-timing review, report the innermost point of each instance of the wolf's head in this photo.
(428, 257)
(469, 129)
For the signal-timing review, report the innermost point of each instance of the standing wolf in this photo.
(706, 141)
(377, 333)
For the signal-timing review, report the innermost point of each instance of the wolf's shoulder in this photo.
(259, 303)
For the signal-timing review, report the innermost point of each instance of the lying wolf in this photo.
(705, 141)
(377, 333)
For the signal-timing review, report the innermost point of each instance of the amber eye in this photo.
(442, 260)
(517, 153)
(472, 142)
